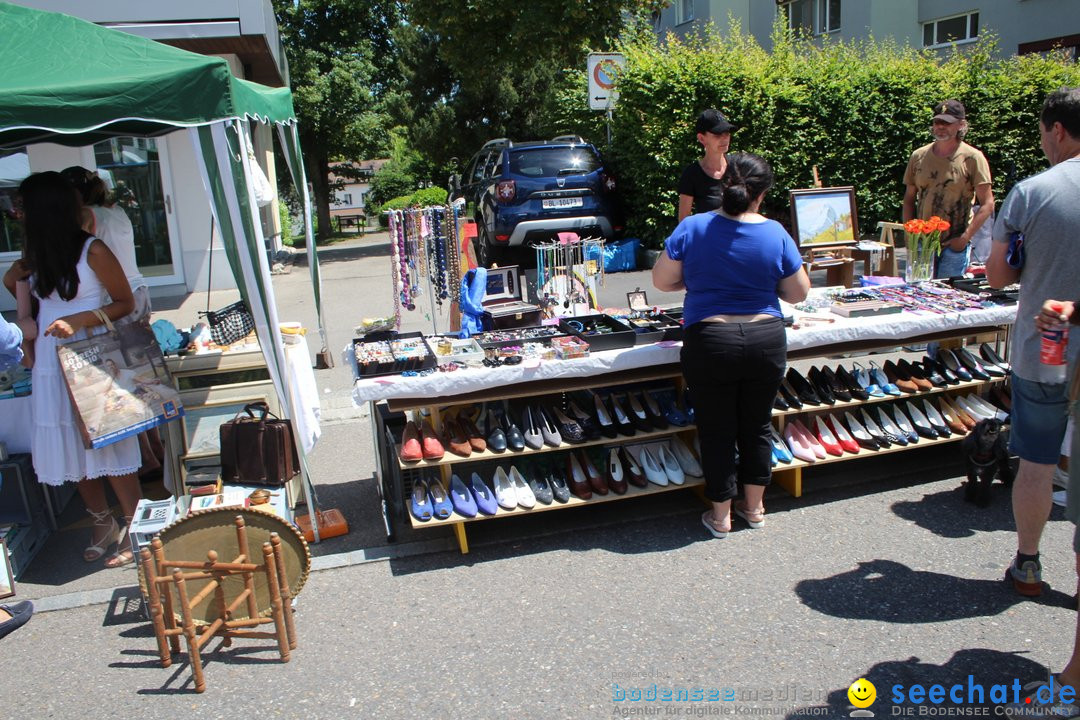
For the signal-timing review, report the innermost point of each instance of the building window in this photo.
(14, 168)
(684, 11)
(346, 198)
(813, 17)
(959, 28)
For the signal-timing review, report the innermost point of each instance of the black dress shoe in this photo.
(990, 356)
(857, 391)
(948, 375)
(568, 428)
(779, 403)
(946, 358)
(804, 391)
(604, 419)
(514, 439)
(496, 437)
(622, 420)
(839, 390)
(20, 613)
(821, 386)
(652, 409)
(929, 370)
(789, 394)
(585, 420)
(637, 413)
(976, 368)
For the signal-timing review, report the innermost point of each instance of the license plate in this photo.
(570, 202)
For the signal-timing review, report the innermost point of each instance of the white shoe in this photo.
(990, 410)
(670, 465)
(1060, 497)
(1061, 478)
(524, 493)
(685, 458)
(653, 472)
(973, 408)
(505, 494)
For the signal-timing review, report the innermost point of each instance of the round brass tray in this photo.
(191, 537)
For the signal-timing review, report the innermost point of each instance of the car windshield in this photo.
(553, 161)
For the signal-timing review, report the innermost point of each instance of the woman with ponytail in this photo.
(735, 266)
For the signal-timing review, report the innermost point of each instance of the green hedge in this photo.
(424, 197)
(855, 110)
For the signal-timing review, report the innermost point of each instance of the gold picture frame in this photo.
(824, 217)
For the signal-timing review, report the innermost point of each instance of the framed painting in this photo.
(823, 217)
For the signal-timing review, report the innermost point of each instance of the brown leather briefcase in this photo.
(257, 448)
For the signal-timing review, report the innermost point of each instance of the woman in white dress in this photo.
(72, 273)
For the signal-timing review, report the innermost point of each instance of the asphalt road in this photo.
(879, 571)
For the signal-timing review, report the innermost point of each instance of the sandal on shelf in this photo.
(122, 556)
(710, 525)
(96, 550)
(754, 518)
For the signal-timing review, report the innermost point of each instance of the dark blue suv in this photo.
(521, 193)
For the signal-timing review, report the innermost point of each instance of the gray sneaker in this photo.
(1042, 699)
(1026, 579)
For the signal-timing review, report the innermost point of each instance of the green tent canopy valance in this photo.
(73, 82)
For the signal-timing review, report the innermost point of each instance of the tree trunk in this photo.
(318, 173)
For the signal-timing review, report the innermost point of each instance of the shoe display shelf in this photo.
(789, 475)
(396, 477)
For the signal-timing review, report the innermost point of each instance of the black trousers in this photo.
(733, 371)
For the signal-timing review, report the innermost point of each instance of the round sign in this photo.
(605, 73)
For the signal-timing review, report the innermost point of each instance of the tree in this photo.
(490, 71)
(342, 65)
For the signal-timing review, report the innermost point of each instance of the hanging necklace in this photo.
(396, 267)
(453, 257)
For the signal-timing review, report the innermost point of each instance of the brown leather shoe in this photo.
(614, 473)
(968, 421)
(596, 480)
(633, 472)
(455, 440)
(951, 419)
(576, 479)
(916, 374)
(900, 378)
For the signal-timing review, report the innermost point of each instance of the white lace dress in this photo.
(57, 446)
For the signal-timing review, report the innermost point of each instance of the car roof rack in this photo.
(570, 139)
(498, 142)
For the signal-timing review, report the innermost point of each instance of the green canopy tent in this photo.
(75, 83)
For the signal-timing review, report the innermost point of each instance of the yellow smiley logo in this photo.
(862, 693)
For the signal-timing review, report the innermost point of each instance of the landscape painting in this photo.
(824, 216)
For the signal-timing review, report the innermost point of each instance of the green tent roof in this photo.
(73, 82)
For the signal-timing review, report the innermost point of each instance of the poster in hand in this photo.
(118, 383)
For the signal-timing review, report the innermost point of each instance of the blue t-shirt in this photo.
(731, 267)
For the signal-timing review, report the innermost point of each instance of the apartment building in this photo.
(1021, 26)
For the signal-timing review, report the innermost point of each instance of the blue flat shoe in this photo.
(672, 413)
(461, 498)
(441, 507)
(418, 502)
(882, 381)
(485, 499)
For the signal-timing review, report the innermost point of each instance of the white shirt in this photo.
(112, 226)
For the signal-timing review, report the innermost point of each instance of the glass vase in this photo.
(920, 258)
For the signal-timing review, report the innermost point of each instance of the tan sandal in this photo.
(97, 550)
(754, 518)
(710, 525)
(122, 556)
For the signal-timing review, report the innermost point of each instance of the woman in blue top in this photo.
(735, 266)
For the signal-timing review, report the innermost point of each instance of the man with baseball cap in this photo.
(700, 188)
(943, 178)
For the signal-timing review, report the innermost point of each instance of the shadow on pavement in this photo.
(346, 254)
(889, 591)
(986, 668)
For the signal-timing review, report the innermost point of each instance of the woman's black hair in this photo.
(54, 239)
(747, 176)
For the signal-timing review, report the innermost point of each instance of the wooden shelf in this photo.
(487, 455)
(864, 453)
(973, 385)
(574, 501)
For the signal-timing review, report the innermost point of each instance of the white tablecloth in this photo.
(843, 330)
(304, 393)
(16, 424)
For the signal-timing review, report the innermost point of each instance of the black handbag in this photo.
(230, 324)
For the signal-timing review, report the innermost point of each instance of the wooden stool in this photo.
(887, 266)
(161, 584)
(838, 266)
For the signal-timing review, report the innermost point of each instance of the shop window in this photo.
(14, 168)
(813, 17)
(944, 31)
(684, 11)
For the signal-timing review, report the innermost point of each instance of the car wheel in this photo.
(486, 253)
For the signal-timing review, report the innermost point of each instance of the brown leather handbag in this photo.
(257, 448)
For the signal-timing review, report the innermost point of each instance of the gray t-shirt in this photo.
(1046, 209)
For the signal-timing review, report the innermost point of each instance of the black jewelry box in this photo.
(519, 336)
(504, 300)
(602, 332)
(392, 352)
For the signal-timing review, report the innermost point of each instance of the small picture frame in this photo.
(824, 217)
(7, 577)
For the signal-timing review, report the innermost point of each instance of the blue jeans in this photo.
(1040, 412)
(951, 263)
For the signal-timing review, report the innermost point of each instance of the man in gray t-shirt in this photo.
(1045, 208)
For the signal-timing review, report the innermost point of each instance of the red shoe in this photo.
(842, 435)
(826, 438)
(410, 444)
(429, 440)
